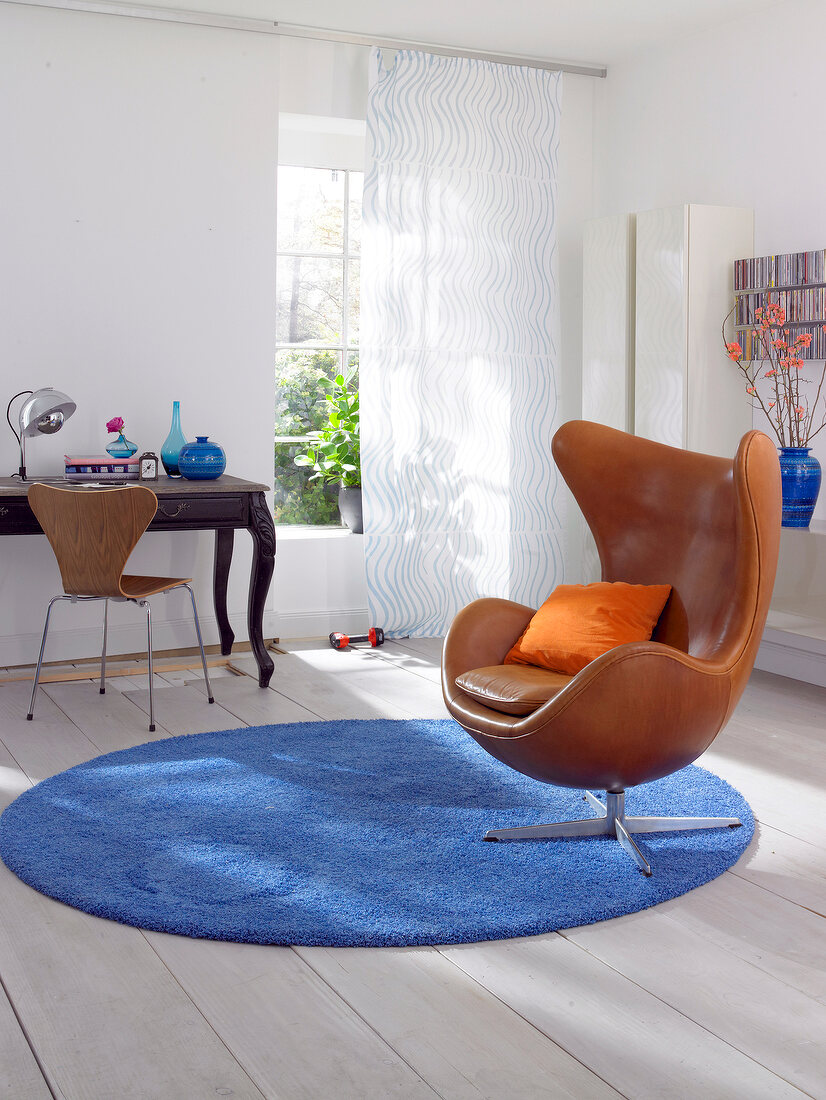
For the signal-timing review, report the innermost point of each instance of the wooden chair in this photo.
(92, 534)
(707, 526)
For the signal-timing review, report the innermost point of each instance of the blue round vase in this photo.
(800, 476)
(121, 447)
(201, 460)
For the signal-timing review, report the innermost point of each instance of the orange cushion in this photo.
(580, 622)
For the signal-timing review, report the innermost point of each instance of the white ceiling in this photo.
(593, 31)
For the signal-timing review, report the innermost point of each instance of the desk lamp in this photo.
(43, 413)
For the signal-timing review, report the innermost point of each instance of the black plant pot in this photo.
(349, 504)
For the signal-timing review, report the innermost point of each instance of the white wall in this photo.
(137, 220)
(138, 225)
(731, 117)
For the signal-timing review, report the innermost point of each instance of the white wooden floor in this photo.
(721, 993)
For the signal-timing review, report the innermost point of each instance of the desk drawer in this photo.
(201, 511)
(17, 518)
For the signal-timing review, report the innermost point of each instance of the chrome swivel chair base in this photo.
(140, 603)
(613, 822)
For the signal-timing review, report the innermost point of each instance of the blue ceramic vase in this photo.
(800, 476)
(202, 460)
(174, 441)
(121, 447)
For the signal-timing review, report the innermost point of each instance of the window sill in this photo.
(293, 532)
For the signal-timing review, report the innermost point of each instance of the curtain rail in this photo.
(295, 30)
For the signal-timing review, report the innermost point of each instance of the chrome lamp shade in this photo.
(44, 412)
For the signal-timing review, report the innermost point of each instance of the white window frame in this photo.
(344, 349)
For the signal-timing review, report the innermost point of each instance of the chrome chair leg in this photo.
(613, 822)
(588, 826)
(200, 641)
(624, 837)
(145, 603)
(677, 824)
(595, 803)
(36, 683)
(103, 651)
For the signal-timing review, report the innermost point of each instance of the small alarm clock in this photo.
(148, 466)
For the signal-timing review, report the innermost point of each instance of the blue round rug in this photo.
(356, 833)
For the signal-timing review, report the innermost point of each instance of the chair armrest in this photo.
(480, 635)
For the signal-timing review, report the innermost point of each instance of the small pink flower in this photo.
(751, 390)
(735, 352)
(771, 404)
(115, 424)
(804, 339)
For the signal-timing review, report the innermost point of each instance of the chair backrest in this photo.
(92, 532)
(708, 526)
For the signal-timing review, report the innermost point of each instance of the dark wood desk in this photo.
(222, 506)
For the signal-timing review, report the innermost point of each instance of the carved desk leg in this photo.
(262, 530)
(224, 537)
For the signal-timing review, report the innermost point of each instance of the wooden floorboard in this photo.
(785, 865)
(19, 1072)
(459, 1035)
(769, 1021)
(720, 993)
(631, 1037)
(293, 1033)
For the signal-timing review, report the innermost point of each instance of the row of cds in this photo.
(799, 305)
(752, 346)
(786, 270)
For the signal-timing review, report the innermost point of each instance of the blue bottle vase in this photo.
(800, 476)
(121, 447)
(174, 441)
(202, 460)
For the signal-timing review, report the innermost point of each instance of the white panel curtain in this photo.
(459, 342)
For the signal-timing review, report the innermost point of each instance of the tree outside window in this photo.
(319, 237)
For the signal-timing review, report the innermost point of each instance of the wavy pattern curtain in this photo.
(459, 338)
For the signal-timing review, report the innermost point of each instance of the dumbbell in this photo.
(375, 636)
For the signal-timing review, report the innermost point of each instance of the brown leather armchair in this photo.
(707, 526)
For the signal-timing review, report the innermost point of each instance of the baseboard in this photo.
(794, 655)
(66, 644)
(318, 624)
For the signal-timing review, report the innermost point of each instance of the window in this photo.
(319, 230)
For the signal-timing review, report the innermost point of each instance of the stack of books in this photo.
(101, 468)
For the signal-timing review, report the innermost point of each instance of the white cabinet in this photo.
(794, 641)
(608, 321)
(686, 392)
(656, 288)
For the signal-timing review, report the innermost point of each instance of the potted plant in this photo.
(333, 452)
(795, 417)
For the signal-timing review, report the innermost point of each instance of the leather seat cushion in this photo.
(512, 689)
